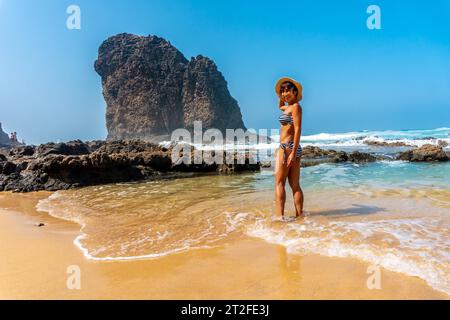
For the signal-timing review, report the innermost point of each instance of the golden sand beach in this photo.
(35, 261)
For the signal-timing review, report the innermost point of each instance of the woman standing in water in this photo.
(289, 153)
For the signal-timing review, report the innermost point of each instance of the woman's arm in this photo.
(297, 118)
(281, 104)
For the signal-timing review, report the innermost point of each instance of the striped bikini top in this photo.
(285, 119)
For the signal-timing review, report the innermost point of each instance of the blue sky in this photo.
(353, 78)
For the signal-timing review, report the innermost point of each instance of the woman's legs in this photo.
(294, 182)
(281, 172)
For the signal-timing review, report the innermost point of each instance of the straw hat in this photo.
(284, 79)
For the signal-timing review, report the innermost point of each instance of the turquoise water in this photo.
(380, 174)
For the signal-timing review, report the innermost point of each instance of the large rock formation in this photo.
(150, 89)
(4, 138)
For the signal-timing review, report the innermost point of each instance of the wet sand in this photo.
(35, 261)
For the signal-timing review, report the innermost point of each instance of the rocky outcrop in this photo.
(4, 138)
(314, 155)
(150, 89)
(65, 165)
(54, 166)
(387, 143)
(427, 152)
(374, 143)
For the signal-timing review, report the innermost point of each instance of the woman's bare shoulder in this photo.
(294, 107)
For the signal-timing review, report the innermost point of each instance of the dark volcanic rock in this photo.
(53, 166)
(357, 156)
(75, 147)
(427, 152)
(94, 144)
(205, 97)
(8, 167)
(309, 152)
(314, 155)
(387, 143)
(150, 89)
(22, 151)
(129, 146)
(442, 143)
(4, 139)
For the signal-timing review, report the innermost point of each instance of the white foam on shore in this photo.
(46, 205)
(87, 255)
(232, 222)
(204, 239)
(409, 246)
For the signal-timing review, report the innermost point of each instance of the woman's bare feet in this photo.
(290, 219)
(278, 218)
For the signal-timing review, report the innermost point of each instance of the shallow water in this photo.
(394, 214)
